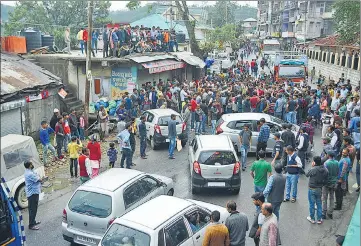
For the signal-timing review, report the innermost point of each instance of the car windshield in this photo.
(163, 121)
(291, 72)
(277, 120)
(91, 203)
(119, 235)
(213, 157)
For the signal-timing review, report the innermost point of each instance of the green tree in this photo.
(222, 12)
(221, 35)
(53, 16)
(347, 21)
(133, 4)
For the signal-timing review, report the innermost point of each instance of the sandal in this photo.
(293, 200)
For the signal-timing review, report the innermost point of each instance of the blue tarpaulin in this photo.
(292, 62)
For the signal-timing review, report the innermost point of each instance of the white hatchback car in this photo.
(96, 203)
(163, 221)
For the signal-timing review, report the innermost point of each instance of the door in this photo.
(273, 129)
(177, 233)
(163, 124)
(149, 124)
(255, 133)
(198, 220)
(235, 128)
(217, 165)
(11, 122)
(133, 195)
(152, 188)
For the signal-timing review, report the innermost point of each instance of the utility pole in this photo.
(306, 8)
(88, 60)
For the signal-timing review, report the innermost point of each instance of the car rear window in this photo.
(91, 203)
(163, 121)
(122, 235)
(213, 157)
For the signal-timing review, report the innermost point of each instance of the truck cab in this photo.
(289, 66)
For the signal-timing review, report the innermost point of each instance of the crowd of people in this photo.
(332, 109)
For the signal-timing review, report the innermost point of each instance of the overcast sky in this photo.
(116, 5)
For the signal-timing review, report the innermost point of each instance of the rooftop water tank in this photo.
(47, 40)
(33, 38)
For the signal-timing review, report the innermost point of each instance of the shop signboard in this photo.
(122, 79)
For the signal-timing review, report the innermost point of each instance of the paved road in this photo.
(295, 229)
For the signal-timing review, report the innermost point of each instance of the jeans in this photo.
(127, 157)
(289, 117)
(143, 146)
(213, 122)
(75, 133)
(172, 144)
(314, 196)
(198, 128)
(95, 45)
(45, 151)
(193, 118)
(258, 189)
(67, 139)
(203, 123)
(105, 49)
(339, 195)
(276, 209)
(291, 183)
(327, 191)
(67, 48)
(59, 145)
(81, 133)
(81, 42)
(115, 47)
(33, 202)
(74, 165)
(244, 152)
(260, 146)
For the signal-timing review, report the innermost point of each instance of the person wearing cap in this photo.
(303, 143)
(326, 148)
(277, 149)
(328, 190)
(54, 118)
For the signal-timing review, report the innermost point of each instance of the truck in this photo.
(290, 66)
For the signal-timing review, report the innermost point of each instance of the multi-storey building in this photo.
(295, 20)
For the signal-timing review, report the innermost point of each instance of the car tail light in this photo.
(65, 217)
(236, 167)
(219, 129)
(110, 222)
(197, 168)
(184, 125)
(157, 129)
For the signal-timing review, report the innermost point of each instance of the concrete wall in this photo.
(53, 64)
(36, 111)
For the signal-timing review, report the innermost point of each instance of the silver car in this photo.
(96, 203)
(213, 163)
(231, 125)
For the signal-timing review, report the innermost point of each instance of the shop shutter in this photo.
(11, 122)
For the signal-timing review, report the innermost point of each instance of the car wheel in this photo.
(236, 191)
(170, 192)
(20, 197)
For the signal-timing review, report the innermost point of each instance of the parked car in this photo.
(162, 221)
(15, 150)
(231, 125)
(213, 163)
(157, 126)
(96, 203)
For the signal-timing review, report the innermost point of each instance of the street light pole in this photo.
(88, 60)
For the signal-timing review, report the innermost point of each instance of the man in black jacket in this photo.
(288, 139)
(54, 118)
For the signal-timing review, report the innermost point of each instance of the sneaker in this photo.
(319, 222)
(310, 220)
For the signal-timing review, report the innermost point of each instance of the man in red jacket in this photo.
(193, 111)
(85, 39)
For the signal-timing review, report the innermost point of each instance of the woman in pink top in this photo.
(81, 126)
(95, 156)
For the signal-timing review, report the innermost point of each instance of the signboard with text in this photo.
(122, 79)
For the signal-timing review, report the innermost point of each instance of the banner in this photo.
(122, 79)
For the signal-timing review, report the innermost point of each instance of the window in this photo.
(18, 157)
(273, 128)
(177, 233)
(238, 125)
(195, 146)
(133, 194)
(291, 72)
(150, 117)
(213, 157)
(161, 238)
(198, 219)
(91, 203)
(123, 235)
(163, 121)
(148, 184)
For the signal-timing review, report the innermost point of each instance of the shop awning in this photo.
(164, 65)
(189, 58)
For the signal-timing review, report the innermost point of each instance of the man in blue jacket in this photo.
(44, 135)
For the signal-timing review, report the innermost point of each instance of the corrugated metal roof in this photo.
(189, 58)
(142, 59)
(18, 74)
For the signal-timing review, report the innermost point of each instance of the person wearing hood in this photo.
(318, 176)
(303, 143)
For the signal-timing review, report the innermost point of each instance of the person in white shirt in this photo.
(183, 94)
(335, 103)
(327, 120)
